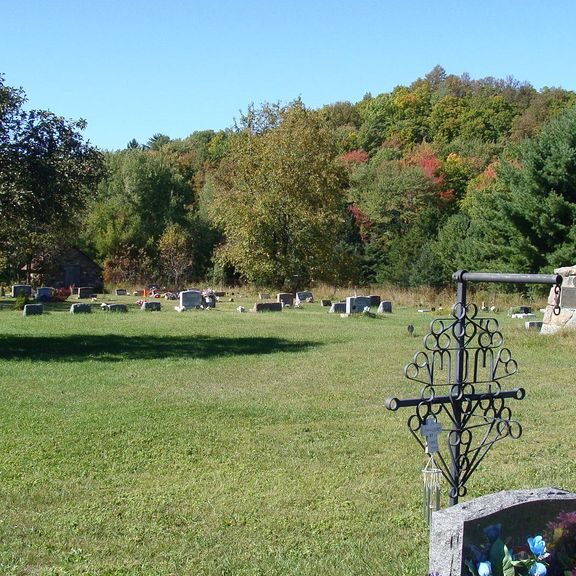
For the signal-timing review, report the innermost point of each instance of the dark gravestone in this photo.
(32, 309)
(151, 306)
(267, 307)
(120, 292)
(305, 296)
(285, 298)
(117, 308)
(209, 301)
(375, 300)
(85, 292)
(21, 290)
(80, 308)
(44, 294)
(457, 530)
(385, 307)
(325, 303)
(338, 308)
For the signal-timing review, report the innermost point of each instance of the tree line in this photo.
(403, 187)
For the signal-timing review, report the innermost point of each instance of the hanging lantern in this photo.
(431, 482)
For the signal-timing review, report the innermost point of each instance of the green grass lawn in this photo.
(215, 443)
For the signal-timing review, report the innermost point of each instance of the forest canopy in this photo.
(402, 187)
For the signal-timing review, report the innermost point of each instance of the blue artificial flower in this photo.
(492, 532)
(537, 569)
(484, 569)
(537, 547)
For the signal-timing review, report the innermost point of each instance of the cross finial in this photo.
(430, 430)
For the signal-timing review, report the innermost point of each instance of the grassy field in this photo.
(219, 443)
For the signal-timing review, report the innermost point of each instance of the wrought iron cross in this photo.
(461, 371)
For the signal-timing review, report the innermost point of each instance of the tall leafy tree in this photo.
(47, 172)
(139, 197)
(278, 198)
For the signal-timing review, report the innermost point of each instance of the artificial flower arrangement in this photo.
(552, 555)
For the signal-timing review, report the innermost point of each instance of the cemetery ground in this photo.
(213, 442)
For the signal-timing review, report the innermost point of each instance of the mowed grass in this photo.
(213, 442)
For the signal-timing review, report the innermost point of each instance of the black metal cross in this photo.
(461, 370)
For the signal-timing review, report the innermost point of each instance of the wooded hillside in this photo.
(401, 187)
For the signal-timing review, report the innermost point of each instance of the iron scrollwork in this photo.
(461, 370)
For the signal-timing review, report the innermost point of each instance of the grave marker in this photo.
(512, 516)
(375, 301)
(356, 304)
(454, 349)
(44, 294)
(304, 296)
(151, 306)
(85, 292)
(385, 307)
(32, 309)
(80, 308)
(338, 308)
(267, 307)
(285, 298)
(116, 308)
(189, 300)
(21, 289)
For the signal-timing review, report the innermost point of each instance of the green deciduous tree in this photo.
(278, 198)
(47, 172)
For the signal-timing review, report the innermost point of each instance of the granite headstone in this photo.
(459, 530)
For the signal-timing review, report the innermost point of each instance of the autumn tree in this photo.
(522, 217)
(278, 198)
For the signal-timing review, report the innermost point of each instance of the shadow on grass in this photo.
(115, 348)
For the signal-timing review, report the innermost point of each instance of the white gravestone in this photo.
(356, 304)
(189, 299)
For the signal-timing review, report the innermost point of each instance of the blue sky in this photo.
(136, 68)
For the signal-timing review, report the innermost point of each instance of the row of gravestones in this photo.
(359, 304)
(81, 308)
(193, 299)
(351, 305)
(45, 292)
